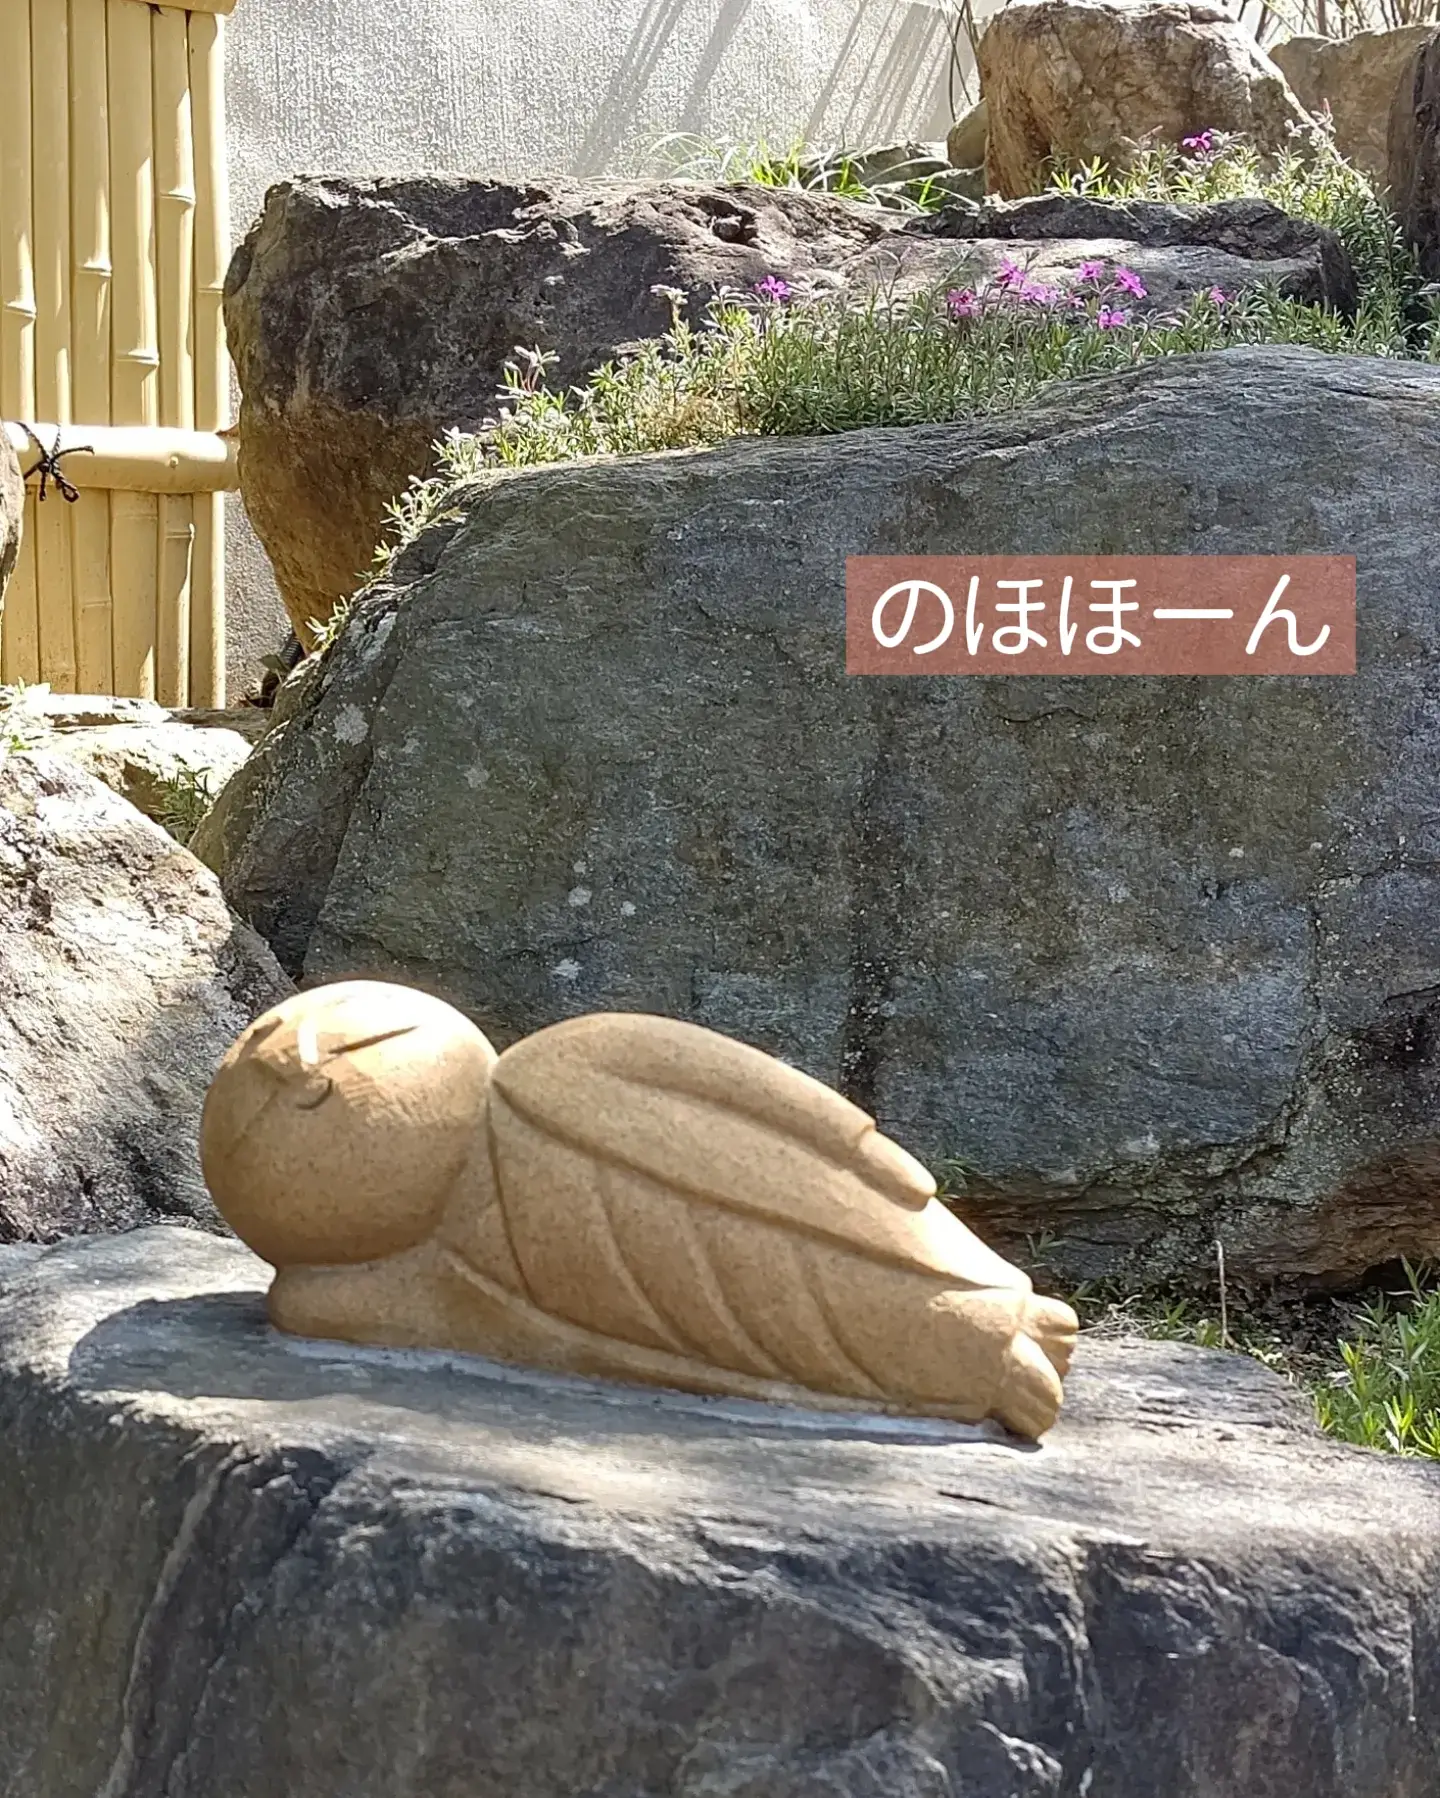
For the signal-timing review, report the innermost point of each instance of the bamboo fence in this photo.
(114, 235)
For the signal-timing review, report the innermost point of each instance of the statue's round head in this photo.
(336, 1125)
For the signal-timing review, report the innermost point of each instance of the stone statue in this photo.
(618, 1196)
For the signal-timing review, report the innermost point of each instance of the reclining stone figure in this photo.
(618, 1196)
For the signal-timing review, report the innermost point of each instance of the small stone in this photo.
(965, 145)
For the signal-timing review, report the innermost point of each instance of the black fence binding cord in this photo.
(48, 467)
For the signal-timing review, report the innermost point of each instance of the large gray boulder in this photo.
(12, 512)
(1154, 961)
(123, 980)
(368, 318)
(236, 1564)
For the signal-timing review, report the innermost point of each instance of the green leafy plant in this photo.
(798, 167)
(1386, 1392)
(185, 797)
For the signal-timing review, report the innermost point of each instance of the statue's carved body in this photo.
(619, 1196)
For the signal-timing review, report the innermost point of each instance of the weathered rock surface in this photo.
(965, 142)
(12, 512)
(156, 767)
(162, 761)
(404, 1575)
(1176, 250)
(369, 318)
(1156, 960)
(1357, 78)
(247, 721)
(123, 980)
(154, 757)
(1413, 153)
(1071, 80)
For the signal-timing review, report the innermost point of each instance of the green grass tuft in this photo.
(1371, 1367)
(184, 799)
(1386, 1393)
(798, 168)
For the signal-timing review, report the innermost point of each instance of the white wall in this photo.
(535, 87)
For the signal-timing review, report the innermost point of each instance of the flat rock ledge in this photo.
(235, 1564)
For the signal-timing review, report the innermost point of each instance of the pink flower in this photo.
(1202, 143)
(1038, 294)
(1127, 279)
(1090, 271)
(1219, 296)
(962, 302)
(1010, 273)
(1108, 317)
(773, 288)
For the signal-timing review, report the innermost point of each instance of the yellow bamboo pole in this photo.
(20, 639)
(175, 262)
(175, 218)
(139, 458)
(90, 342)
(17, 279)
(177, 545)
(203, 6)
(50, 175)
(207, 613)
(133, 544)
(212, 368)
(135, 364)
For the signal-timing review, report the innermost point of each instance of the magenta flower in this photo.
(773, 288)
(1010, 273)
(1202, 143)
(1090, 271)
(1219, 296)
(962, 302)
(1130, 282)
(1109, 317)
(1038, 294)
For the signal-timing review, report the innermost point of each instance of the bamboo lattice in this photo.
(114, 235)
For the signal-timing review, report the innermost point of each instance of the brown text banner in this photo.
(1165, 615)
